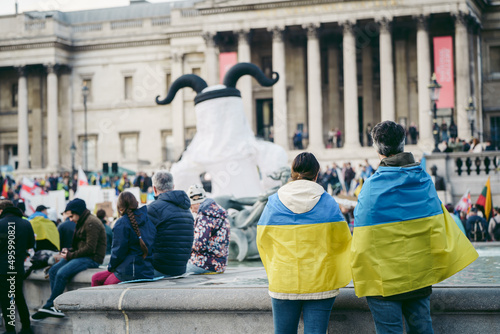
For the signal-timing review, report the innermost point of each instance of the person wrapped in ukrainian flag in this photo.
(404, 240)
(304, 244)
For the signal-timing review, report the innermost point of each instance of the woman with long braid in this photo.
(133, 236)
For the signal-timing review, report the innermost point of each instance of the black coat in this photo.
(12, 223)
(66, 231)
(174, 232)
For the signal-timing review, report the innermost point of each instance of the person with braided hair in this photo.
(133, 237)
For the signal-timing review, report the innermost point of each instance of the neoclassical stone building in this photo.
(343, 64)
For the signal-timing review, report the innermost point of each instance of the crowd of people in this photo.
(188, 233)
(344, 180)
(173, 235)
(64, 181)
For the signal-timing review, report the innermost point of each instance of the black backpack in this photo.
(477, 231)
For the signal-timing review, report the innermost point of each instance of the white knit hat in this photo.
(196, 194)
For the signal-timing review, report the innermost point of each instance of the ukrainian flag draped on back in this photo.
(404, 239)
(306, 253)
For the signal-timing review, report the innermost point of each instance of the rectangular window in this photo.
(88, 83)
(495, 59)
(128, 88)
(91, 154)
(189, 135)
(13, 91)
(167, 145)
(129, 146)
(168, 81)
(197, 71)
(267, 66)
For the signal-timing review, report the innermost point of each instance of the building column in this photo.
(334, 88)
(401, 88)
(66, 118)
(280, 110)
(314, 93)
(462, 70)
(388, 110)
(178, 123)
(424, 79)
(23, 145)
(211, 61)
(245, 83)
(367, 66)
(351, 135)
(52, 119)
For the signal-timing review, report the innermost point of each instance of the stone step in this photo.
(51, 325)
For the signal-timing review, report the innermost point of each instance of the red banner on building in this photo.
(443, 67)
(226, 61)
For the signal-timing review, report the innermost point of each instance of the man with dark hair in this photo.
(66, 230)
(16, 237)
(40, 211)
(101, 214)
(89, 248)
(171, 215)
(395, 258)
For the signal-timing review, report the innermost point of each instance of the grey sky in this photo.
(8, 6)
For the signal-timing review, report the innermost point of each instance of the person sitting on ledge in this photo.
(174, 226)
(133, 237)
(211, 234)
(88, 251)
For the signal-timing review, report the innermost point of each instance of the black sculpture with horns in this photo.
(230, 80)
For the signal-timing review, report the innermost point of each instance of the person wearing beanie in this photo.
(101, 214)
(211, 234)
(87, 251)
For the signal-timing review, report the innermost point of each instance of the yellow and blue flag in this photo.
(304, 253)
(45, 229)
(404, 239)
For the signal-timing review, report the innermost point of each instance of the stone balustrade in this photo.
(464, 171)
(35, 25)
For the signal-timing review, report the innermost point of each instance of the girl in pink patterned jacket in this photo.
(211, 234)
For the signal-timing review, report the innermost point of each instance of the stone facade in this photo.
(343, 64)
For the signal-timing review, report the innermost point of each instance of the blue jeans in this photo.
(286, 315)
(62, 272)
(191, 268)
(388, 315)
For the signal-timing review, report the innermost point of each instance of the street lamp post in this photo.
(72, 149)
(471, 114)
(85, 93)
(434, 90)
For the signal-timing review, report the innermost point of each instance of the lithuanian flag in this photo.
(485, 200)
(404, 239)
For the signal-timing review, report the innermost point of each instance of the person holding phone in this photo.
(87, 251)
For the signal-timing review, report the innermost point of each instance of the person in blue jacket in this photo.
(133, 237)
(171, 215)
